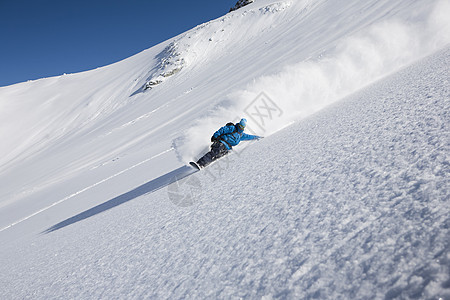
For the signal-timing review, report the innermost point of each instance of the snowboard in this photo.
(194, 164)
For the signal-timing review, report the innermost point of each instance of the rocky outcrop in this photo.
(241, 3)
(170, 62)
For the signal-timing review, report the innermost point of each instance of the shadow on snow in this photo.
(146, 188)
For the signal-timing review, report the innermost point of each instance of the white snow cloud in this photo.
(308, 86)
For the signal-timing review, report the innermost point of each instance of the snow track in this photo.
(84, 190)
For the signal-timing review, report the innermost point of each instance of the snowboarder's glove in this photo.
(214, 139)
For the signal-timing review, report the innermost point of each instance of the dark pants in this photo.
(218, 150)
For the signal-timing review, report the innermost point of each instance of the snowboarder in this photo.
(223, 141)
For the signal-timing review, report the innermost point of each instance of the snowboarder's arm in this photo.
(248, 137)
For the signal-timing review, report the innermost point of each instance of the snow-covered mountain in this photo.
(346, 197)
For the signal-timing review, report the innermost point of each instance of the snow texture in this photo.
(346, 197)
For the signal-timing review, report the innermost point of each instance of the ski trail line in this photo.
(84, 190)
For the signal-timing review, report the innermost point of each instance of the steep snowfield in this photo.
(350, 201)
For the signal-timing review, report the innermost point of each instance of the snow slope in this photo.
(350, 201)
(354, 204)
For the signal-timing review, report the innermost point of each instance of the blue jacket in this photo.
(231, 135)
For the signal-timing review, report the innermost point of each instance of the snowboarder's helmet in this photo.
(243, 123)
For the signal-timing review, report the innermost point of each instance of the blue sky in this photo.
(50, 37)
